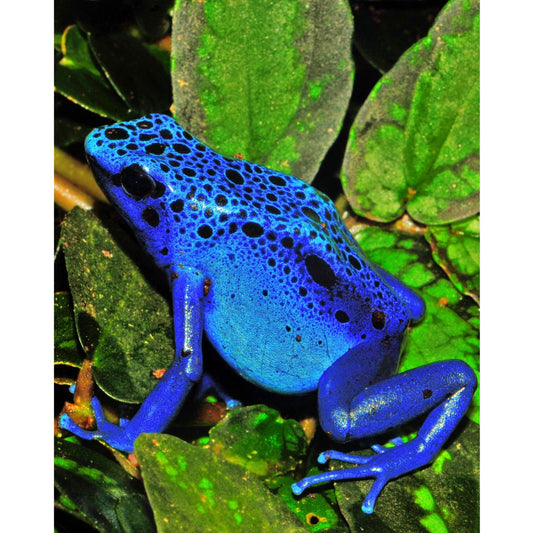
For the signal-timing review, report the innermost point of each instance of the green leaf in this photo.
(97, 489)
(439, 498)
(77, 78)
(195, 490)
(456, 250)
(268, 80)
(257, 438)
(415, 142)
(66, 347)
(122, 321)
(449, 330)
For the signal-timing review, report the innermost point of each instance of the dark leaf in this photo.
(124, 324)
(66, 347)
(121, 58)
(78, 78)
(98, 489)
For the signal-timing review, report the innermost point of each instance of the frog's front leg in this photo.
(443, 389)
(168, 396)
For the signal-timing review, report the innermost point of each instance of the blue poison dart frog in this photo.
(263, 264)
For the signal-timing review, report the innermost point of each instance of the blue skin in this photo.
(262, 263)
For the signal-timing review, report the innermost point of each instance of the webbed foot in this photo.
(119, 437)
(387, 464)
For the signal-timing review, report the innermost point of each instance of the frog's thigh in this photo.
(349, 376)
(352, 413)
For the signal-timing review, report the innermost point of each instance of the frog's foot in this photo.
(442, 391)
(119, 437)
(153, 415)
(388, 464)
(209, 383)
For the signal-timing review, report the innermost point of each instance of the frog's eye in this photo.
(136, 182)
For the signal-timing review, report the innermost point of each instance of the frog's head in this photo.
(139, 165)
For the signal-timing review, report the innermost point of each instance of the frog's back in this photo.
(290, 288)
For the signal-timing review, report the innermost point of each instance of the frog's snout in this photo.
(98, 171)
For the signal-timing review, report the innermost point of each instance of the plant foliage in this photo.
(308, 88)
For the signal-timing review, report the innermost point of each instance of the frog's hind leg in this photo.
(443, 389)
(168, 396)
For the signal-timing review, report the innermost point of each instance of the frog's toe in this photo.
(396, 441)
(372, 496)
(233, 404)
